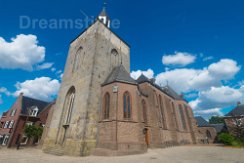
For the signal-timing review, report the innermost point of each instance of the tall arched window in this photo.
(162, 111)
(106, 106)
(77, 59)
(156, 99)
(127, 105)
(183, 120)
(69, 103)
(144, 111)
(114, 58)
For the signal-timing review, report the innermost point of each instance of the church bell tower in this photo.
(103, 16)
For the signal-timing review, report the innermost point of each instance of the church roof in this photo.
(167, 89)
(119, 74)
(201, 122)
(237, 111)
(142, 79)
(170, 91)
(28, 102)
(219, 127)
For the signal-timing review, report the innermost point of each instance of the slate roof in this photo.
(219, 127)
(142, 79)
(201, 122)
(172, 93)
(28, 102)
(167, 89)
(239, 110)
(119, 74)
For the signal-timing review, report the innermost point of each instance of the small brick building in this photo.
(234, 120)
(25, 111)
(206, 133)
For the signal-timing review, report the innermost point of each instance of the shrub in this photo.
(226, 138)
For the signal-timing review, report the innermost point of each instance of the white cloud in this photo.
(5, 91)
(44, 66)
(1, 100)
(59, 72)
(199, 79)
(148, 73)
(224, 69)
(209, 112)
(43, 88)
(179, 58)
(219, 97)
(21, 53)
(208, 58)
(53, 69)
(61, 76)
(210, 101)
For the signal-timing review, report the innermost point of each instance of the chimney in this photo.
(238, 103)
(21, 94)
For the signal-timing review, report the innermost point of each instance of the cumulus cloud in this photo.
(210, 102)
(209, 112)
(5, 91)
(219, 97)
(148, 73)
(43, 88)
(199, 79)
(22, 52)
(224, 69)
(178, 59)
(44, 66)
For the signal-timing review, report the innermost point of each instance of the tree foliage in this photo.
(216, 120)
(32, 131)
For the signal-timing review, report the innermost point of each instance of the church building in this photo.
(101, 110)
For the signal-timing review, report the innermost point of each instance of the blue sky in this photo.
(197, 46)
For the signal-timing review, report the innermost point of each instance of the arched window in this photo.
(127, 105)
(156, 99)
(69, 103)
(162, 111)
(106, 106)
(144, 111)
(114, 52)
(77, 59)
(182, 117)
(114, 58)
(208, 134)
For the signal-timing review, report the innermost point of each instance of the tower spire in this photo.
(103, 16)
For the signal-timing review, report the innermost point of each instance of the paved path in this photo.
(183, 154)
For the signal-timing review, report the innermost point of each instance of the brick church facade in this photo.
(101, 110)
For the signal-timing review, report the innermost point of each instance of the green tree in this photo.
(216, 120)
(32, 131)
